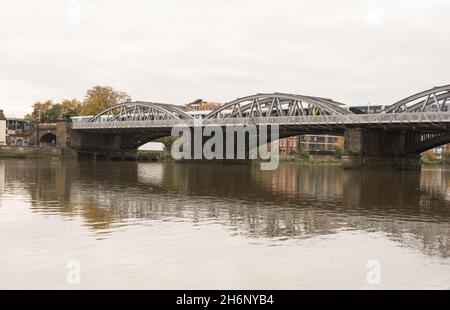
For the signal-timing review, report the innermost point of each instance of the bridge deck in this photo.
(435, 121)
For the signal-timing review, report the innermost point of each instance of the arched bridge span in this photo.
(403, 130)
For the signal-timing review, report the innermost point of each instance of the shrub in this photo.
(429, 156)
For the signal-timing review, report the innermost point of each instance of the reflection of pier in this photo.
(291, 202)
(2, 177)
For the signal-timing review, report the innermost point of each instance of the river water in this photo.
(92, 225)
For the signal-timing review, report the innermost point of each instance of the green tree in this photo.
(96, 100)
(53, 113)
(100, 98)
(49, 112)
(167, 141)
(40, 112)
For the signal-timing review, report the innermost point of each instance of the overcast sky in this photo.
(353, 51)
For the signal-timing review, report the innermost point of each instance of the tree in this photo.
(96, 100)
(446, 155)
(340, 144)
(70, 107)
(40, 112)
(429, 155)
(167, 141)
(53, 113)
(49, 112)
(100, 98)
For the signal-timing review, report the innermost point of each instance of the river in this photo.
(221, 226)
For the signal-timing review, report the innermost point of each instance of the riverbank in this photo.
(437, 162)
(24, 152)
(30, 152)
(312, 159)
(305, 159)
(34, 152)
(153, 156)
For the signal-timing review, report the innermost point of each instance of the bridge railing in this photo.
(336, 120)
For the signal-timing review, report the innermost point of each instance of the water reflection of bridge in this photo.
(411, 207)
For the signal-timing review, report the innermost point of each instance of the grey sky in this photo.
(177, 51)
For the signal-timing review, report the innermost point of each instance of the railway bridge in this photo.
(396, 136)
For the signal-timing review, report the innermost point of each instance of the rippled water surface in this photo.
(214, 226)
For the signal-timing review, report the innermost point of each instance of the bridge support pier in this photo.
(369, 147)
(101, 146)
(63, 132)
(235, 146)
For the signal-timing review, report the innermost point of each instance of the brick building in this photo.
(309, 143)
(200, 105)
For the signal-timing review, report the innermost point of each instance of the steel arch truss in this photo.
(436, 99)
(141, 111)
(278, 104)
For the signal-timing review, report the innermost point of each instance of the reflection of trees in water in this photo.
(436, 182)
(47, 183)
(292, 202)
(2, 177)
(308, 183)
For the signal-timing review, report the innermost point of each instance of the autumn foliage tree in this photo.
(50, 112)
(70, 108)
(340, 144)
(429, 155)
(100, 98)
(446, 154)
(96, 100)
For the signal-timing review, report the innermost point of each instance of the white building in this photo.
(153, 146)
(2, 128)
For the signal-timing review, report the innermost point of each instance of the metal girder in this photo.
(429, 141)
(278, 104)
(141, 111)
(419, 102)
(441, 100)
